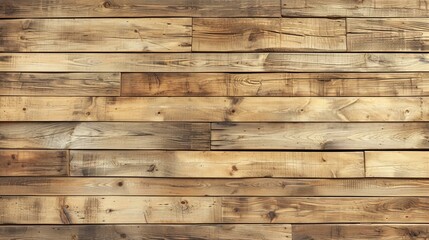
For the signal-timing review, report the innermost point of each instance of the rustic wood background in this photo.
(214, 119)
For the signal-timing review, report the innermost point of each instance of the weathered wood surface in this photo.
(276, 84)
(96, 35)
(316, 136)
(104, 135)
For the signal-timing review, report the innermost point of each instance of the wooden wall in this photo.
(214, 119)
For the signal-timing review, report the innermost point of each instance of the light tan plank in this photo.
(315, 136)
(212, 109)
(96, 35)
(390, 34)
(360, 231)
(275, 84)
(60, 84)
(214, 62)
(353, 8)
(212, 164)
(397, 164)
(33, 163)
(139, 8)
(103, 135)
(148, 232)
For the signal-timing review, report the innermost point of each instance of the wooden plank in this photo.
(212, 109)
(214, 62)
(397, 164)
(104, 135)
(315, 136)
(33, 163)
(83, 186)
(360, 231)
(60, 84)
(139, 8)
(352, 8)
(96, 35)
(148, 232)
(211, 164)
(276, 84)
(390, 34)
(269, 34)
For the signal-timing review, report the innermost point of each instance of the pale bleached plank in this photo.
(397, 164)
(314, 136)
(104, 135)
(275, 84)
(96, 35)
(148, 232)
(214, 62)
(389, 34)
(33, 163)
(60, 84)
(211, 164)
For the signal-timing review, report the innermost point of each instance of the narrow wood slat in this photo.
(212, 109)
(139, 8)
(60, 84)
(263, 187)
(134, 210)
(103, 135)
(33, 163)
(270, 34)
(148, 232)
(360, 231)
(391, 34)
(211, 164)
(96, 35)
(275, 84)
(352, 8)
(397, 164)
(314, 136)
(214, 62)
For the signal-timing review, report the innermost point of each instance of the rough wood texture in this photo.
(275, 84)
(210, 164)
(103, 135)
(315, 136)
(96, 35)
(397, 164)
(33, 163)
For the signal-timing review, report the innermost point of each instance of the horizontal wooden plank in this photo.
(351, 8)
(60, 84)
(397, 164)
(270, 34)
(33, 163)
(103, 135)
(275, 84)
(390, 34)
(80, 186)
(139, 8)
(217, 164)
(212, 109)
(96, 35)
(148, 232)
(133, 210)
(214, 62)
(314, 136)
(360, 231)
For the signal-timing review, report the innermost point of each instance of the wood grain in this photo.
(276, 84)
(96, 35)
(139, 8)
(211, 164)
(103, 135)
(397, 164)
(315, 136)
(33, 163)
